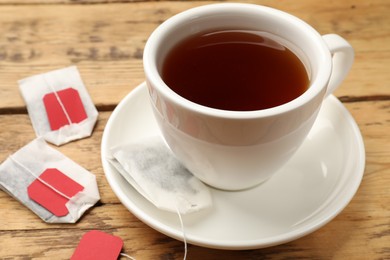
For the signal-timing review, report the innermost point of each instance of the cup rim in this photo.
(317, 85)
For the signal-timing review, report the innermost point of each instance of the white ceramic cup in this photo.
(235, 150)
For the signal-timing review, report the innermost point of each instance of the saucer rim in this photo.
(163, 228)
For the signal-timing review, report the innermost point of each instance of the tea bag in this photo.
(98, 245)
(47, 182)
(59, 105)
(151, 168)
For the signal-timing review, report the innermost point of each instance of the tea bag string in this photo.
(58, 100)
(184, 238)
(127, 256)
(39, 179)
(184, 233)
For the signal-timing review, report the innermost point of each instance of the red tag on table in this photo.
(97, 245)
(50, 199)
(72, 104)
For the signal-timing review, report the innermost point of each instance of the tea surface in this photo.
(234, 70)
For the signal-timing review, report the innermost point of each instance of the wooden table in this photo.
(105, 39)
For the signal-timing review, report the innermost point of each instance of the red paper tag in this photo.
(49, 198)
(97, 245)
(71, 102)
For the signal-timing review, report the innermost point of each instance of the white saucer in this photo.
(315, 186)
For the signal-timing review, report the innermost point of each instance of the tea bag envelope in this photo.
(59, 105)
(47, 182)
(150, 167)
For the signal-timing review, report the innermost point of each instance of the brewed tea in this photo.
(234, 70)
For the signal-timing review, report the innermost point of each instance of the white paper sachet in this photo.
(59, 105)
(151, 168)
(54, 187)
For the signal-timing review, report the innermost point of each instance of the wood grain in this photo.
(106, 42)
(361, 229)
(105, 39)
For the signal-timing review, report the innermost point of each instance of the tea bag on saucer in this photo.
(151, 168)
(47, 182)
(59, 105)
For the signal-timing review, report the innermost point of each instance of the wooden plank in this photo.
(361, 229)
(16, 131)
(142, 243)
(105, 39)
(106, 42)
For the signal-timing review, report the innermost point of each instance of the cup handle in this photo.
(342, 59)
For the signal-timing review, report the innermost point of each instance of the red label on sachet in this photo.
(71, 103)
(52, 199)
(97, 245)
